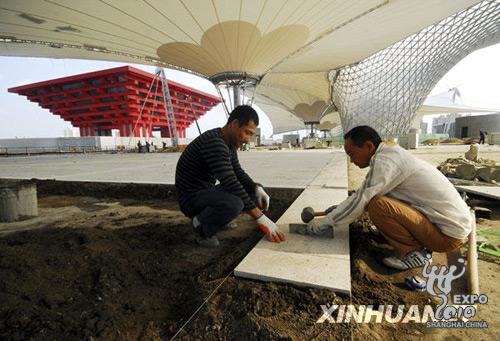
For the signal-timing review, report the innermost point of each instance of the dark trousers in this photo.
(213, 207)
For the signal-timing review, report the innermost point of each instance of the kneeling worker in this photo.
(213, 156)
(410, 202)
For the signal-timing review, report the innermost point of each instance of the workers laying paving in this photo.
(410, 202)
(213, 156)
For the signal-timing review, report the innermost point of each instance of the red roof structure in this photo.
(97, 102)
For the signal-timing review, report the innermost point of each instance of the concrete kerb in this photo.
(305, 260)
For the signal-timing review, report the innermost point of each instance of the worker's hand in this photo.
(270, 228)
(331, 208)
(318, 226)
(262, 198)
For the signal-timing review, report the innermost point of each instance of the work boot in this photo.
(211, 242)
(412, 260)
(202, 239)
(230, 226)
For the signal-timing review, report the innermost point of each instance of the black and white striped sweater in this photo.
(208, 158)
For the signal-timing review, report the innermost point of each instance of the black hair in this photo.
(244, 114)
(360, 134)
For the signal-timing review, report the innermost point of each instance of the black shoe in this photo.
(202, 239)
(211, 242)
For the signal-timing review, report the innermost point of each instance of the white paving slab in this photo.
(487, 191)
(306, 260)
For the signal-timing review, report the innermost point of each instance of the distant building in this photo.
(444, 124)
(292, 138)
(423, 127)
(256, 138)
(68, 132)
(123, 98)
(469, 126)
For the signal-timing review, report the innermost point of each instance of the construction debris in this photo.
(478, 169)
(473, 152)
(451, 140)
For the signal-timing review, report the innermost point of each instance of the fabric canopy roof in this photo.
(290, 44)
(445, 103)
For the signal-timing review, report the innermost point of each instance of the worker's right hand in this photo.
(270, 229)
(318, 226)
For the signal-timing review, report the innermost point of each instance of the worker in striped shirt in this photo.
(212, 157)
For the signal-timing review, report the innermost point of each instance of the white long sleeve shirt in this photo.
(396, 173)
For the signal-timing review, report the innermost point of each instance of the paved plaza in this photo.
(271, 168)
(280, 168)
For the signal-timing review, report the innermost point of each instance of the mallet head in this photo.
(307, 214)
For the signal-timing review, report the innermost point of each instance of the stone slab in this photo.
(307, 260)
(486, 191)
(304, 269)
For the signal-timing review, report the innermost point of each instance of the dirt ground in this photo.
(109, 267)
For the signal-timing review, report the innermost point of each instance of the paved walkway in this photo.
(271, 168)
(319, 262)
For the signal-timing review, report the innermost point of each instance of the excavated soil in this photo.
(110, 267)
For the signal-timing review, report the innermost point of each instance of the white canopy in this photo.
(292, 44)
(445, 102)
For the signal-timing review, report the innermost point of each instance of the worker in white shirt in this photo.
(410, 202)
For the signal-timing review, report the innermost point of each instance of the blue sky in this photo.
(477, 77)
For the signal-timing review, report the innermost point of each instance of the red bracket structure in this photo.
(97, 102)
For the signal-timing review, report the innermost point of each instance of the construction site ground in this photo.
(107, 261)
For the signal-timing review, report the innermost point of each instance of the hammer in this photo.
(308, 213)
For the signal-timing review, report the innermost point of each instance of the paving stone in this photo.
(307, 260)
(487, 191)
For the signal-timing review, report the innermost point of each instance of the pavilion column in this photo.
(129, 128)
(121, 126)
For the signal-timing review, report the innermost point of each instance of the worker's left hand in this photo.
(270, 229)
(318, 226)
(262, 198)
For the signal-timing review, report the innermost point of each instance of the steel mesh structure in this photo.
(385, 90)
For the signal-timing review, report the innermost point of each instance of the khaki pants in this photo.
(406, 229)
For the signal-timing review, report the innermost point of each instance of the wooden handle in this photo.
(472, 259)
